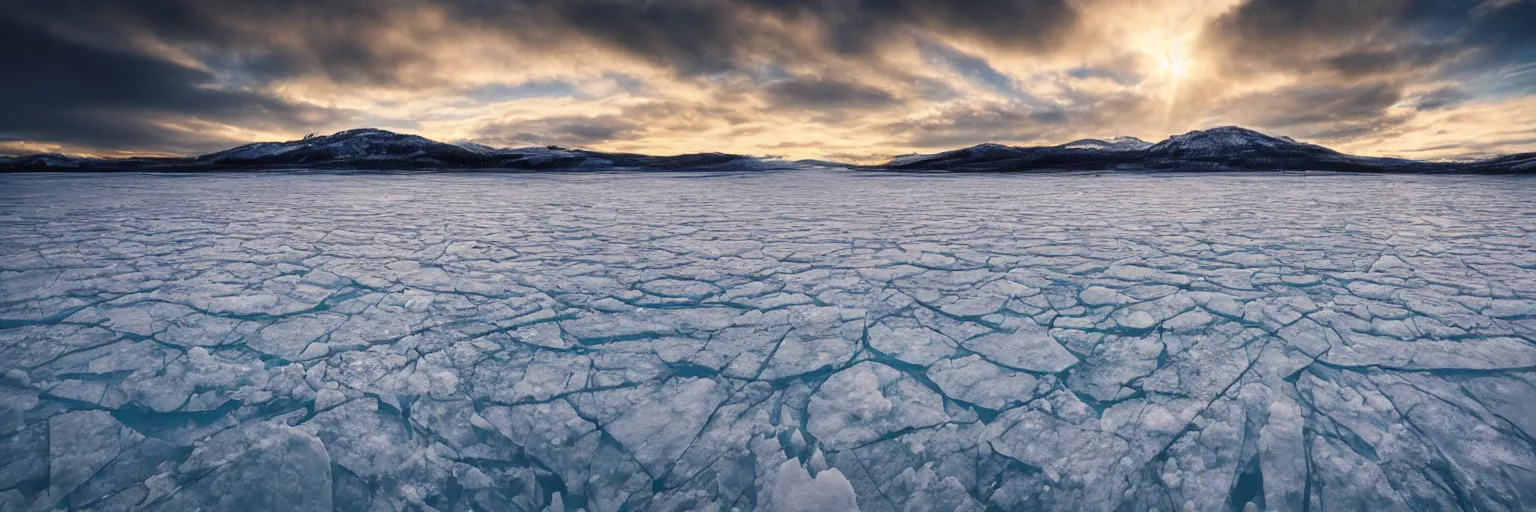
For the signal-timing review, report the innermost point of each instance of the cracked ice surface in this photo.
(791, 341)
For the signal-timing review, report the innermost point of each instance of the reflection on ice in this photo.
(783, 341)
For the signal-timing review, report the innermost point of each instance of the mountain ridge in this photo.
(1111, 144)
(1227, 148)
(1221, 149)
(376, 149)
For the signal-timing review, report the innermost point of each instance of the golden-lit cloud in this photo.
(846, 79)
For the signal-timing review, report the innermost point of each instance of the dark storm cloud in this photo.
(826, 94)
(1507, 29)
(258, 44)
(1347, 131)
(61, 90)
(630, 123)
(564, 131)
(1008, 70)
(1501, 36)
(496, 93)
(260, 40)
(1356, 61)
(684, 116)
(712, 36)
(691, 36)
(1312, 104)
(1350, 37)
(347, 39)
(973, 68)
(1356, 38)
(1386, 62)
(1441, 98)
(964, 126)
(1321, 113)
(857, 26)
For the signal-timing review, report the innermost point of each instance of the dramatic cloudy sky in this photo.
(840, 79)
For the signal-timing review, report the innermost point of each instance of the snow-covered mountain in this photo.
(1093, 150)
(538, 157)
(531, 153)
(370, 148)
(45, 160)
(1227, 148)
(1228, 141)
(1520, 163)
(352, 146)
(476, 147)
(1113, 144)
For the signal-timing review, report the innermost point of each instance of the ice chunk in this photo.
(256, 466)
(916, 345)
(657, 430)
(1101, 296)
(974, 380)
(795, 490)
(1028, 349)
(923, 490)
(18, 377)
(80, 443)
(867, 401)
(1282, 456)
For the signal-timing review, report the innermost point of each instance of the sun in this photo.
(1174, 63)
(1177, 65)
(1174, 67)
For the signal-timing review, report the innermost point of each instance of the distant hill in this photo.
(373, 149)
(1227, 148)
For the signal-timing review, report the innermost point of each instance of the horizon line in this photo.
(881, 158)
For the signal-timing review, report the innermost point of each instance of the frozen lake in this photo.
(786, 341)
